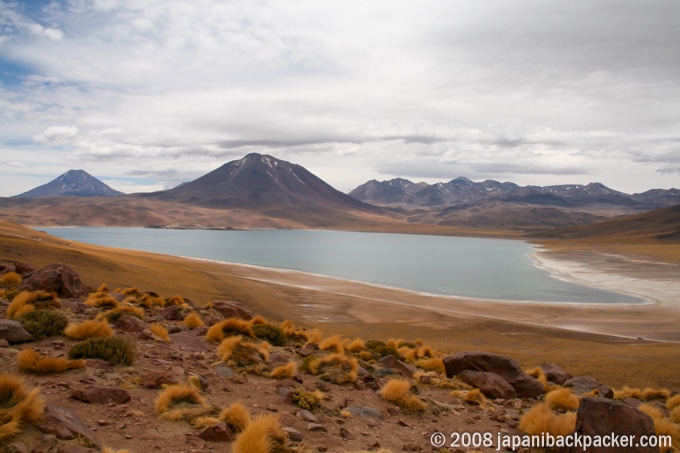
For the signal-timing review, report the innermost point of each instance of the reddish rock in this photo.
(189, 340)
(491, 385)
(400, 367)
(65, 425)
(581, 385)
(555, 373)
(57, 278)
(17, 447)
(14, 332)
(128, 323)
(217, 433)
(101, 395)
(172, 313)
(231, 309)
(602, 416)
(156, 378)
(506, 367)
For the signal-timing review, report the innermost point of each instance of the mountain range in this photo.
(73, 183)
(260, 191)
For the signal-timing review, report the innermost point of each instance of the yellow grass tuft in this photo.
(181, 402)
(203, 422)
(356, 345)
(31, 361)
(650, 394)
(432, 364)
(160, 331)
(562, 399)
(258, 320)
(647, 394)
(284, 371)
(673, 402)
(675, 414)
(103, 288)
(314, 336)
(262, 435)
(236, 416)
(334, 344)
(193, 320)
(662, 425)
(111, 450)
(101, 299)
(398, 391)
(195, 381)
(540, 419)
(88, 329)
(540, 376)
(243, 353)
(10, 280)
(18, 405)
(336, 368)
(628, 392)
(175, 300)
(21, 304)
(229, 327)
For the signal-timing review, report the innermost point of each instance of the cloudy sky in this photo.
(147, 94)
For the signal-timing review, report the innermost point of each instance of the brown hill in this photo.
(660, 225)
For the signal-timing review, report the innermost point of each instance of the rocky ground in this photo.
(104, 405)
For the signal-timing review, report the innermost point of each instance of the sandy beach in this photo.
(339, 301)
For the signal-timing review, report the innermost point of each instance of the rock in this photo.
(46, 444)
(156, 378)
(346, 434)
(364, 411)
(217, 433)
(17, 447)
(602, 417)
(505, 367)
(14, 332)
(231, 309)
(57, 278)
(316, 427)
(128, 323)
(172, 313)
(190, 341)
(293, 434)
(491, 385)
(555, 373)
(65, 425)
(307, 416)
(397, 365)
(101, 395)
(4, 343)
(581, 385)
(74, 449)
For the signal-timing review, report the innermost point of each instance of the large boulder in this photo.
(491, 384)
(554, 373)
(506, 367)
(581, 385)
(57, 278)
(603, 418)
(14, 332)
(231, 309)
(400, 367)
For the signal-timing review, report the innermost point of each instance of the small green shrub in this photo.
(306, 400)
(380, 349)
(115, 350)
(271, 333)
(308, 364)
(43, 323)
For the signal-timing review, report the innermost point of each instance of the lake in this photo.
(443, 265)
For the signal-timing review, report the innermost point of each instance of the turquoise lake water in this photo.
(443, 265)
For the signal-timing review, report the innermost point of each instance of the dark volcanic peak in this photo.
(73, 183)
(262, 181)
(463, 190)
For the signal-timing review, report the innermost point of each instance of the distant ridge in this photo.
(73, 183)
(402, 192)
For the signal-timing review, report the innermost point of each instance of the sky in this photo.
(147, 94)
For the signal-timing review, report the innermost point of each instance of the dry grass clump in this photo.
(381, 349)
(229, 327)
(262, 435)
(473, 396)
(182, 402)
(647, 394)
(398, 391)
(356, 345)
(294, 333)
(113, 315)
(238, 352)
(538, 374)
(27, 301)
(334, 344)
(562, 399)
(175, 300)
(236, 417)
(432, 364)
(336, 368)
(111, 450)
(101, 298)
(43, 323)
(30, 360)
(269, 332)
(314, 336)
(306, 400)
(193, 320)
(160, 331)
(675, 414)
(673, 402)
(18, 405)
(284, 371)
(88, 329)
(10, 280)
(663, 425)
(115, 350)
(540, 419)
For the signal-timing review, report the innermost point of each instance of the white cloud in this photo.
(56, 135)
